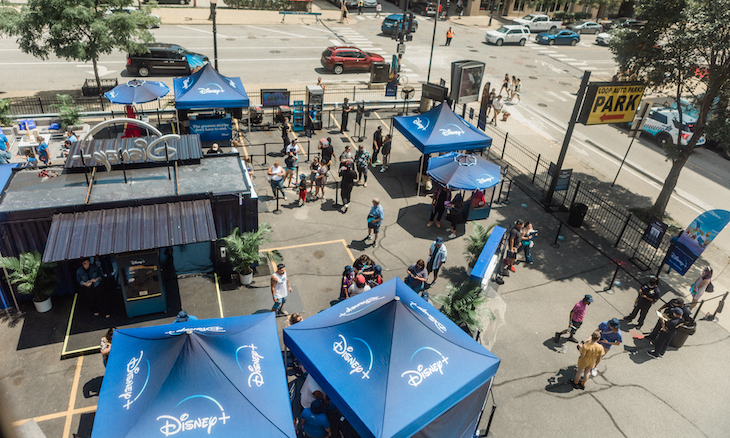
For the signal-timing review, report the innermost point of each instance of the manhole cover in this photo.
(474, 50)
(542, 105)
(567, 84)
(252, 37)
(469, 47)
(530, 66)
(494, 57)
(274, 51)
(230, 39)
(533, 77)
(285, 39)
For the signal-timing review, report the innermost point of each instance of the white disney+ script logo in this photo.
(183, 423)
(417, 376)
(437, 323)
(345, 351)
(349, 311)
(446, 131)
(132, 369)
(255, 368)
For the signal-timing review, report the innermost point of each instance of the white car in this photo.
(509, 34)
(602, 39)
(663, 124)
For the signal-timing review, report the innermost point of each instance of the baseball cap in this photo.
(588, 299)
(317, 406)
(280, 266)
(677, 310)
(439, 240)
(182, 316)
(614, 323)
(360, 279)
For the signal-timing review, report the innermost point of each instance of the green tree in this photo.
(679, 37)
(78, 30)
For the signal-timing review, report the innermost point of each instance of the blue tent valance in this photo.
(211, 377)
(441, 130)
(394, 365)
(209, 89)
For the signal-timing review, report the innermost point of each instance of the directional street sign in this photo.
(610, 102)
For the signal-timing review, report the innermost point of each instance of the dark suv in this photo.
(339, 59)
(162, 59)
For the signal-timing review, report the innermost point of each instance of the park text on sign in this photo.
(611, 102)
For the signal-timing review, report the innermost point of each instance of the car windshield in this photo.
(327, 53)
(528, 17)
(502, 30)
(579, 23)
(553, 31)
(390, 21)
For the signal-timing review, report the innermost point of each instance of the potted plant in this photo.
(68, 110)
(464, 305)
(5, 118)
(475, 243)
(32, 277)
(243, 251)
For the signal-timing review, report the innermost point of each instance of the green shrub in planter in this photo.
(30, 275)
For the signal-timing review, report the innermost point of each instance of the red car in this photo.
(339, 59)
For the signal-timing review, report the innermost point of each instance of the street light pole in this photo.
(213, 4)
(492, 13)
(433, 41)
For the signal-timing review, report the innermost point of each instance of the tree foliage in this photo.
(77, 29)
(462, 304)
(681, 39)
(69, 112)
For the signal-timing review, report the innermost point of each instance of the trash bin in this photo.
(577, 214)
(683, 332)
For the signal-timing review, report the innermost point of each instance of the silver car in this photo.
(585, 27)
(508, 34)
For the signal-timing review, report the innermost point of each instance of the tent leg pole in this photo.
(418, 177)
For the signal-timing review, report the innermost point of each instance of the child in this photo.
(348, 277)
(302, 189)
(30, 157)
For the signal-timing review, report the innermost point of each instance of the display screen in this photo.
(141, 275)
(470, 83)
(273, 98)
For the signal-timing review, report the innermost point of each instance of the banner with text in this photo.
(696, 238)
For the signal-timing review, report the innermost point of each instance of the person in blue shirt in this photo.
(610, 336)
(183, 316)
(43, 150)
(89, 277)
(313, 421)
(375, 219)
(3, 142)
(70, 136)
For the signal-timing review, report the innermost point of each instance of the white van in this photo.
(510, 34)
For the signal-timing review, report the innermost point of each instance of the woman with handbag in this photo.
(528, 236)
(440, 197)
(700, 286)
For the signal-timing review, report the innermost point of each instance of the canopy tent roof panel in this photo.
(390, 361)
(216, 377)
(441, 130)
(209, 89)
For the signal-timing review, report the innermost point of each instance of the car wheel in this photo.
(725, 153)
(664, 140)
(338, 69)
(499, 42)
(144, 71)
(523, 41)
(596, 32)
(551, 42)
(574, 42)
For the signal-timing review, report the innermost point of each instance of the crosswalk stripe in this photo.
(557, 96)
(567, 93)
(568, 59)
(559, 56)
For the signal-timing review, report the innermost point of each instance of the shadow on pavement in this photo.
(92, 387)
(560, 383)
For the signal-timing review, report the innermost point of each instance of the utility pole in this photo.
(433, 41)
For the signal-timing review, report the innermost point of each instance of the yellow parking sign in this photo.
(610, 102)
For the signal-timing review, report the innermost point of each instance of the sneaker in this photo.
(301, 202)
(377, 161)
(556, 338)
(512, 268)
(452, 236)
(594, 372)
(375, 244)
(285, 198)
(375, 165)
(652, 355)
(283, 312)
(429, 224)
(438, 224)
(382, 169)
(365, 185)
(638, 327)
(581, 385)
(572, 339)
(574, 384)
(370, 237)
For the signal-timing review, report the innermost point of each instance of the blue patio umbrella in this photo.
(194, 61)
(464, 171)
(137, 91)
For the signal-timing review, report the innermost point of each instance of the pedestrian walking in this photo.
(345, 14)
(590, 356)
(327, 151)
(513, 244)
(377, 143)
(648, 295)
(667, 332)
(105, 346)
(497, 106)
(490, 100)
(511, 88)
(276, 178)
(359, 286)
(440, 197)
(518, 91)
(449, 35)
(417, 276)
(375, 220)
(575, 319)
(359, 7)
(527, 241)
(345, 114)
(378, 9)
(362, 161)
(347, 182)
(290, 161)
(700, 286)
(302, 189)
(313, 172)
(280, 289)
(385, 150)
(610, 336)
(505, 84)
(89, 278)
(666, 310)
(321, 181)
(285, 129)
(459, 9)
(346, 156)
(348, 278)
(436, 258)
(454, 212)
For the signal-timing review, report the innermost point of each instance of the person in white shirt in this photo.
(359, 286)
(497, 105)
(280, 289)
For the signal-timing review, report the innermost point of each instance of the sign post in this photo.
(635, 131)
(611, 102)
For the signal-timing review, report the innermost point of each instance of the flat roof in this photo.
(215, 174)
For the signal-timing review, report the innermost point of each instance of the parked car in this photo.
(162, 59)
(603, 38)
(585, 27)
(340, 59)
(132, 9)
(170, 2)
(508, 34)
(628, 22)
(353, 3)
(538, 23)
(424, 7)
(392, 23)
(663, 124)
(558, 36)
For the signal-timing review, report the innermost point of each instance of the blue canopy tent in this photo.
(209, 89)
(464, 172)
(395, 366)
(215, 377)
(441, 130)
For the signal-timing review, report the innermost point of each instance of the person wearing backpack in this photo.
(375, 277)
(348, 278)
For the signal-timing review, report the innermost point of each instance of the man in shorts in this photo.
(375, 219)
(280, 289)
(576, 319)
(610, 336)
(497, 106)
(385, 150)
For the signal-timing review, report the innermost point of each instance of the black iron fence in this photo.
(616, 224)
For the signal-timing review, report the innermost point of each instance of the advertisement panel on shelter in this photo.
(212, 129)
(698, 236)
